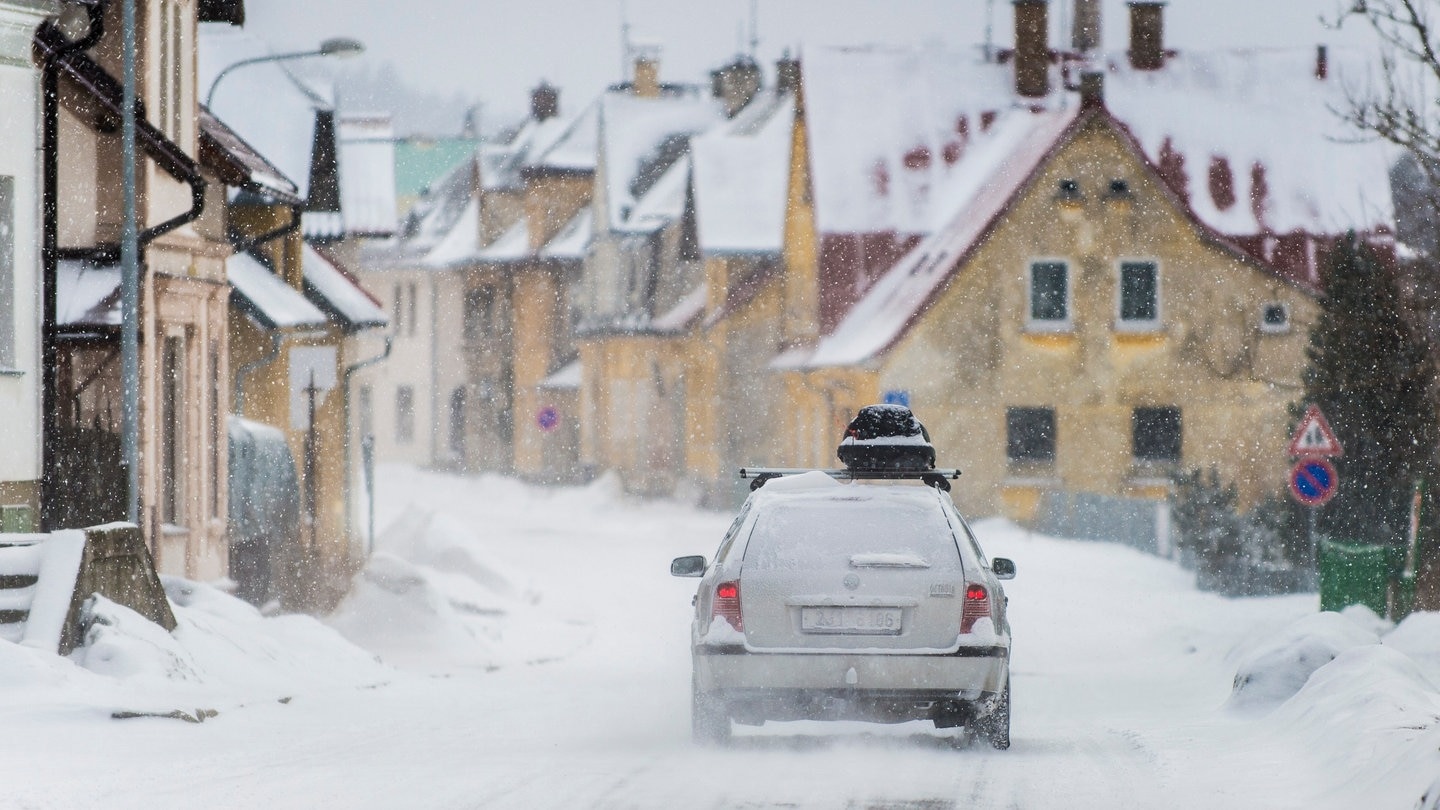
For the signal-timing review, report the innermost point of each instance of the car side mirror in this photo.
(693, 566)
(1003, 568)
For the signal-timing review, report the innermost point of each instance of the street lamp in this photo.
(341, 47)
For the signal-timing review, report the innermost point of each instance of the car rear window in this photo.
(836, 533)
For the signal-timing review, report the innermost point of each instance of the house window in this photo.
(1274, 318)
(479, 312)
(1049, 295)
(1030, 434)
(7, 272)
(457, 424)
(399, 300)
(414, 313)
(1139, 294)
(1155, 434)
(172, 430)
(404, 414)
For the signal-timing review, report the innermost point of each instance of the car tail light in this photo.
(977, 606)
(727, 604)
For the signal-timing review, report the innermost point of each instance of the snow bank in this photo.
(1419, 638)
(1370, 719)
(434, 597)
(1273, 668)
(1362, 698)
(221, 647)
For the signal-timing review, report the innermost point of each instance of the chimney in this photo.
(1147, 34)
(1032, 48)
(1322, 62)
(1092, 89)
(736, 84)
(544, 101)
(1085, 36)
(647, 71)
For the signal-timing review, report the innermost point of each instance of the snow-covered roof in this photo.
(338, 293)
(663, 203)
(568, 378)
(563, 144)
(274, 303)
(463, 240)
(887, 126)
(262, 102)
(741, 174)
(367, 175)
(512, 246)
(323, 225)
(641, 139)
(435, 215)
(87, 294)
(573, 240)
(684, 313)
(1252, 141)
(996, 167)
(243, 165)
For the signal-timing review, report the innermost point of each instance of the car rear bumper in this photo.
(968, 674)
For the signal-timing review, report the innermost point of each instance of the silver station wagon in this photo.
(850, 594)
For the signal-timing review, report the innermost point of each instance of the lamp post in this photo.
(339, 46)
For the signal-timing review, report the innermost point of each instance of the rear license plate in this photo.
(870, 621)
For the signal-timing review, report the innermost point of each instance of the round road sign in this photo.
(548, 418)
(1313, 481)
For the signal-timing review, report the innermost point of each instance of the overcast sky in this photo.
(496, 50)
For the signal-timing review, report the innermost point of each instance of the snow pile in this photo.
(433, 597)
(222, 647)
(1418, 636)
(1274, 668)
(1363, 697)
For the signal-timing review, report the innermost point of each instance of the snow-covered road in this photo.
(1120, 673)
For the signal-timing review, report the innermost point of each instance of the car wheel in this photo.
(709, 720)
(995, 724)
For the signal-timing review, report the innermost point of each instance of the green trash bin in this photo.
(1355, 574)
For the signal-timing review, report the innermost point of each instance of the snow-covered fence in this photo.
(46, 578)
(1141, 523)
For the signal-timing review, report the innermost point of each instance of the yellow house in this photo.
(1094, 341)
(1120, 283)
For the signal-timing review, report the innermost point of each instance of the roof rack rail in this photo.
(938, 478)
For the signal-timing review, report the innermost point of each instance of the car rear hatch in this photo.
(878, 570)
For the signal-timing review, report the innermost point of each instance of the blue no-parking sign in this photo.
(1313, 481)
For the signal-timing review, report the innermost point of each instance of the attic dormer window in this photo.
(1119, 187)
(1069, 189)
(1274, 318)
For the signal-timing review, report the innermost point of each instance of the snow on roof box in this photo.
(886, 437)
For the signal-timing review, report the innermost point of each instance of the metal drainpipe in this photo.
(49, 251)
(345, 419)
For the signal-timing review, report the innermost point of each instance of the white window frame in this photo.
(1123, 324)
(1274, 329)
(1034, 324)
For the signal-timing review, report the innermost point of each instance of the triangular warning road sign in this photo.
(1313, 436)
